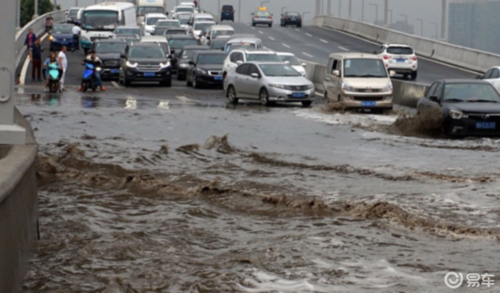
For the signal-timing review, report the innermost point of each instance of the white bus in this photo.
(99, 21)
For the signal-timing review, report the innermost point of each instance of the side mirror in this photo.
(239, 62)
(336, 73)
(434, 99)
(392, 73)
(122, 56)
(479, 76)
(255, 75)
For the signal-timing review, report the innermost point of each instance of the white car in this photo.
(200, 17)
(291, 59)
(399, 58)
(238, 56)
(190, 4)
(181, 9)
(492, 76)
(150, 21)
(199, 26)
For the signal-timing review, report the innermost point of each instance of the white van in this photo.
(150, 6)
(358, 80)
(99, 21)
(219, 30)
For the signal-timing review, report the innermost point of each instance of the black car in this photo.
(177, 43)
(469, 107)
(109, 52)
(185, 57)
(290, 17)
(145, 62)
(206, 69)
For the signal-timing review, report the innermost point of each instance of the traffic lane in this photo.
(428, 71)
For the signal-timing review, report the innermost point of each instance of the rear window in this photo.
(400, 50)
(227, 8)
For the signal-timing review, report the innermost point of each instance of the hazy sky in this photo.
(428, 10)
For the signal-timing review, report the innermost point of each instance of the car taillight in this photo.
(256, 16)
(269, 17)
(414, 58)
(387, 57)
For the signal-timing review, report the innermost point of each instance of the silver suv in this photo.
(400, 59)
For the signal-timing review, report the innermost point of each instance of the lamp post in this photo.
(376, 11)
(443, 20)
(239, 10)
(386, 12)
(35, 11)
(362, 10)
(435, 24)
(421, 25)
(262, 3)
(340, 8)
(350, 9)
(390, 11)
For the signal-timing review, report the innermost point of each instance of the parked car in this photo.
(185, 57)
(219, 30)
(145, 62)
(227, 13)
(262, 17)
(206, 69)
(469, 107)
(399, 58)
(62, 35)
(291, 17)
(492, 75)
(268, 82)
(177, 43)
(291, 59)
(109, 51)
(245, 55)
(358, 81)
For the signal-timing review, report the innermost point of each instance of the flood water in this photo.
(145, 195)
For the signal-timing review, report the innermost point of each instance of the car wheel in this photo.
(231, 95)
(306, 103)
(270, 25)
(414, 75)
(195, 83)
(264, 97)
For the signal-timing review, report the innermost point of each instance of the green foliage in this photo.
(28, 7)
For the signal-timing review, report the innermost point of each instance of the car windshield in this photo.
(142, 11)
(73, 12)
(183, 20)
(294, 61)
(62, 29)
(211, 58)
(100, 20)
(175, 32)
(263, 57)
(188, 53)
(184, 9)
(202, 26)
(278, 70)
(292, 14)
(400, 50)
(364, 67)
(153, 20)
(227, 8)
(110, 47)
(218, 44)
(181, 43)
(232, 46)
(168, 24)
(128, 31)
(146, 52)
(216, 33)
(263, 13)
(470, 92)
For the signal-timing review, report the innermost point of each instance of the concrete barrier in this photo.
(459, 56)
(18, 209)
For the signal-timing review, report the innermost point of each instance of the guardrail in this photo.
(38, 27)
(459, 56)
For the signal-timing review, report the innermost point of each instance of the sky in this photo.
(427, 10)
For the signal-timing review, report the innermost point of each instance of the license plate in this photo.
(368, 104)
(298, 95)
(218, 77)
(149, 74)
(115, 70)
(400, 60)
(485, 125)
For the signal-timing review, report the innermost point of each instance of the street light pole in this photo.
(386, 12)
(421, 26)
(443, 20)
(363, 10)
(35, 11)
(340, 8)
(435, 23)
(239, 10)
(350, 9)
(376, 11)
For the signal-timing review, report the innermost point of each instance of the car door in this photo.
(239, 78)
(234, 58)
(252, 85)
(333, 83)
(424, 104)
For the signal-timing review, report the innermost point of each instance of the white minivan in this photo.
(358, 81)
(219, 30)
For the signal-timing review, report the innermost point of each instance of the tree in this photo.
(28, 7)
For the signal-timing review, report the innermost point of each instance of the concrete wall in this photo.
(460, 56)
(18, 209)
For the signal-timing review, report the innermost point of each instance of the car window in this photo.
(488, 74)
(400, 50)
(237, 56)
(62, 29)
(142, 11)
(239, 45)
(243, 69)
(495, 73)
(105, 47)
(253, 69)
(278, 70)
(216, 33)
(430, 90)
(467, 92)
(168, 24)
(439, 90)
(211, 58)
(127, 31)
(181, 43)
(364, 67)
(227, 8)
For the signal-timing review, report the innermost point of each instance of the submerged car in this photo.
(268, 82)
(468, 107)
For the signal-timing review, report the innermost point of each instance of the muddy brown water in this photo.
(209, 198)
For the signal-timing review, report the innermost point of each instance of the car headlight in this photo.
(455, 114)
(279, 86)
(164, 65)
(311, 86)
(201, 71)
(52, 39)
(183, 65)
(86, 39)
(130, 64)
(346, 87)
(388, 87)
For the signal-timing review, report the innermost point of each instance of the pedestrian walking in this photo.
(30, 39)
(76, 36)
(35, 54)
(63, 62)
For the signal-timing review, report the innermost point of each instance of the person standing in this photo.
(30, 39)
(63, 62)
(35, 54)
(76, 36)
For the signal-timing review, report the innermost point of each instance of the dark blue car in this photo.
(227, 13)
(62, 35)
